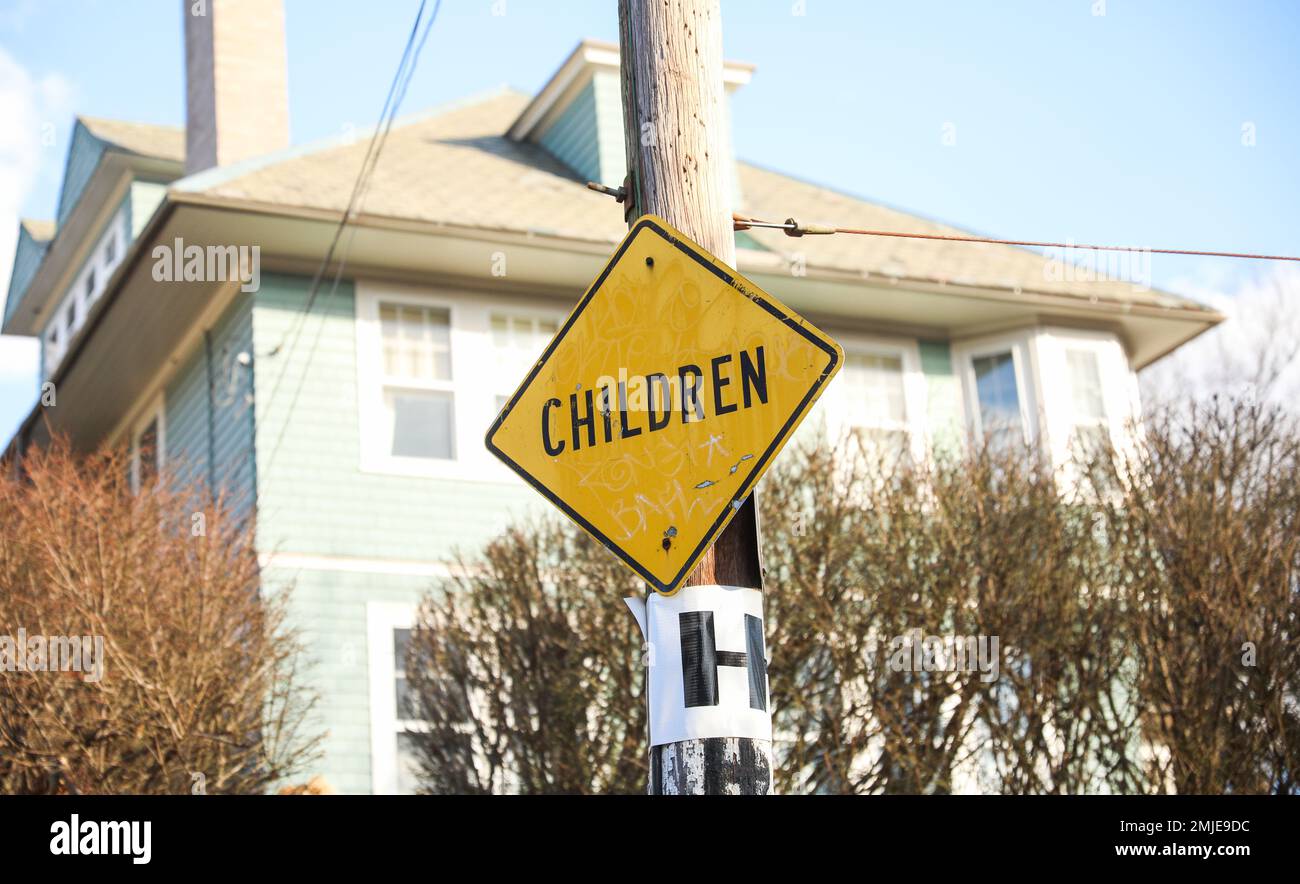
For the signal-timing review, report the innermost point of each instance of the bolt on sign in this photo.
(662, 401)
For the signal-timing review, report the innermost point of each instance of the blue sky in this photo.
(1123, 127)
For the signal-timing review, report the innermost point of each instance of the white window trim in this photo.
(156, 411)
(915, 393)
(473, 382)
(1024, 359)
(381, 619)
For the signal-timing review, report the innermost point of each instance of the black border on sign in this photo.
(746, 486)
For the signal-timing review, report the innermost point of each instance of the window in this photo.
(875, 404)
(392, 756)
(406, 715)
(71, 314)
(147, 453)
(407, 765)
(1085, 383)
(419, 405)
(434, 369)
(517, 342)
(1063, 389)
(998, 397)
(401, 690)
(52, 349)
(1088, 401)
(148, 447)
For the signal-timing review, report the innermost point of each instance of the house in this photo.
(353, 419)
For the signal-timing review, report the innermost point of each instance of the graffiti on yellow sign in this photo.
(662, 401)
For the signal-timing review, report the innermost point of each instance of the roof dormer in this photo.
(578, 115)
(114, 170)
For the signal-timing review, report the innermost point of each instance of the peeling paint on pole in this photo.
(713, 766)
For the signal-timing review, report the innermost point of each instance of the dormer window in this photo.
(577, 116)
(85, 290)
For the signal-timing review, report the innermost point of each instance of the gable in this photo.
(84, 152)
(27, 258)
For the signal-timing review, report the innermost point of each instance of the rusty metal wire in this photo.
(791, 227)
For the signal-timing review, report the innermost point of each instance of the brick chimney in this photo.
(236, 81)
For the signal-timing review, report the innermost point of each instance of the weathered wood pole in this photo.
(679, 167)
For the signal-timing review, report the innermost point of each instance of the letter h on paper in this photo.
(701, 659)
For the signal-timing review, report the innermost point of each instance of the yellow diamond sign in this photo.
(662, 401)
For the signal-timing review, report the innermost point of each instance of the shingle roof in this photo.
(457, 167)
(773, 196)
(145, 139)
(454, 167)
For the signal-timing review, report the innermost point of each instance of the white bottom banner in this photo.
(706, 663)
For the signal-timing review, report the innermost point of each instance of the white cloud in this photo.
(18, 359)
(30, 109)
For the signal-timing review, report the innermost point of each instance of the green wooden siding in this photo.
(83, 156)
(329, 607)
(210, 437)
(313, 496)
(313, 499)
(84, 153)
(588, 135)
(572, 137)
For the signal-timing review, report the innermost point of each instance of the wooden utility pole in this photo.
(679, 164)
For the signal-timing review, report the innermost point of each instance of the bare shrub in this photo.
(528, 671)
(978, 547)
(1121, 592)
(1207, 533)
(199, 688)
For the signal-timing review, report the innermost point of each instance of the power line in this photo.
(396, 92)
(354, 199)
(791, 227)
